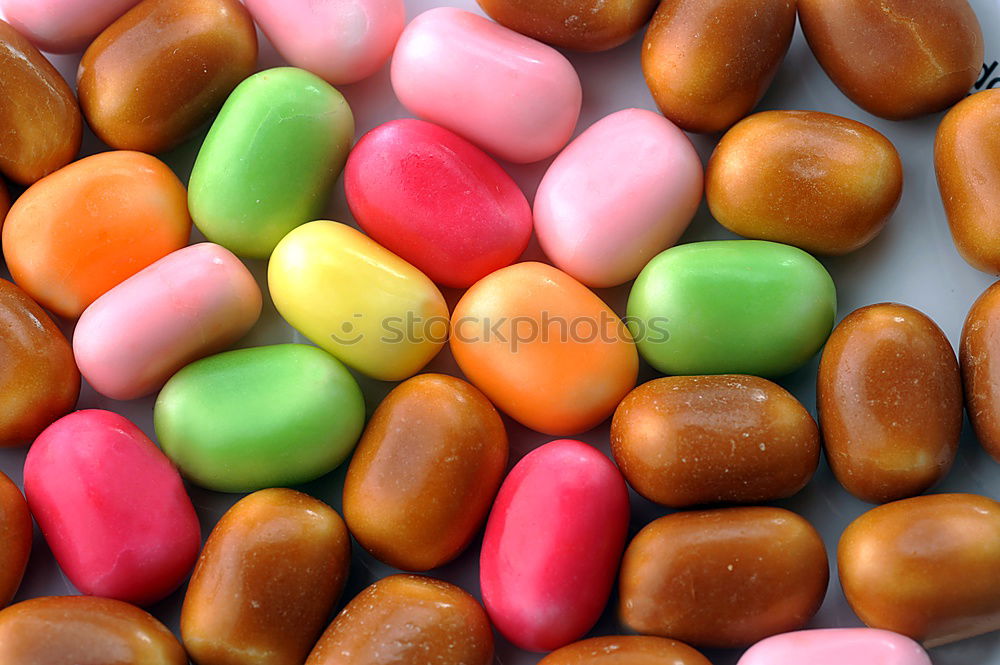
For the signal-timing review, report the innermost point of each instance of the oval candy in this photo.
(625, 650)
(16, 532)
(63, 26)
(979, 355)
(836, 646)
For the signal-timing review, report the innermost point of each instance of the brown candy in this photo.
(889, 397)
(39, 381)
(407, 619)
(689, 440)
(723, 578)
(164, 68)
(266, 581)
(40, 124)
(15, 538)
(424, 475)
(817, 181)
(708, 62)
(84, 630)
(896, 59)
(625, 650)
(979, 356)
(967, 161)
(583, 25)
(925, 567)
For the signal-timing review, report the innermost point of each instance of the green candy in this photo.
(270, 160)
(269, 416)
(732, 306)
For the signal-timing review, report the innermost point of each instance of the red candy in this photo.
(437, 201)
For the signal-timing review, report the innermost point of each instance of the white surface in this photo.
(913, 262)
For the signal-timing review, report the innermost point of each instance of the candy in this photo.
(890, 402)
(650, 184)
(437, 201)
(84, 229)
(625, 650)
(16, 530)
(967, 159)
(543, 348)
(425, 472)
(723, 578)
(820, 182)
(163, 69)
(925, 567)
(362, 303)
(189, 304)
(835, 647)
(111, 507)
(266, 581)
(40, 123)
(552, 545)
(342, 41)
(296, 415)
(896, 59)
(450, 66)
(63, 26)
(407, 619)
(38, 380)
(692, 440)
(708, 62)
(979, 354)
(270, 160)
(732, 306)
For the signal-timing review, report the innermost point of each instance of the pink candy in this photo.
(63, 26)
(837, 646)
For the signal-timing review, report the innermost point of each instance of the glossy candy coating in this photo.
(836, 646)
(979, 357)
(16, 531)
(625, 650)
(63, 26)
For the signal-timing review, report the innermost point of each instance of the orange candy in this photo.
(87, 227)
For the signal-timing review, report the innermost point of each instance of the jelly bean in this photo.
(925, 567)
(63, 26)
(77, 233)
(732, 306)
(266, 581)
(583, 25)
(544, 348)
(111, 507)
(650, 186)
(890, 402)
(967, 158)
(896, 59)
(189, 304)
(163, 69)
(723, 578)
(836, 646)
(708, 62)
(552, 545)
(425, 472)
(16, 530)
(297, 415)
(625, 650)
(691, 440)
(270, 160)
(40, 123)
(39, 381)
(979, 355)
(342, 41)
(820, 182)
(362, 303)
(407, 619)
(437, 201)
(450, 66)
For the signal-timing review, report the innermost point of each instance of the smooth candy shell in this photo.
(625, 650)
(16, 532)
(836, 646)
(63, 26)
(979, 353)
(449, 65)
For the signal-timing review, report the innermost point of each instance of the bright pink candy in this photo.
(837, 646)
(553, 543)
(437, 201)
(63, 26)
(111, 507)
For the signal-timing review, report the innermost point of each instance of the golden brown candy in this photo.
(164, 68)
(689, 440)
(979, 356)
(723, 578)
(84, 630)
(625, 650)
(40, 123)
(896, 59)
(15, 538)
(266, 581)
(424, 475)
(407, 619)
(708, 62)
(820, 182)
(967, 161)
(925, 567)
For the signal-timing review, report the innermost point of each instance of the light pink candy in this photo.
(342, 41)
(837, 646)
(189, 304)
(63, 26)
(511, 95)
(618, 195)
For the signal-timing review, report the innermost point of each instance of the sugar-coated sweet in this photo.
(16, 532)
(625, 650)
(979, 355)
(836, 646)
(63, 26)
